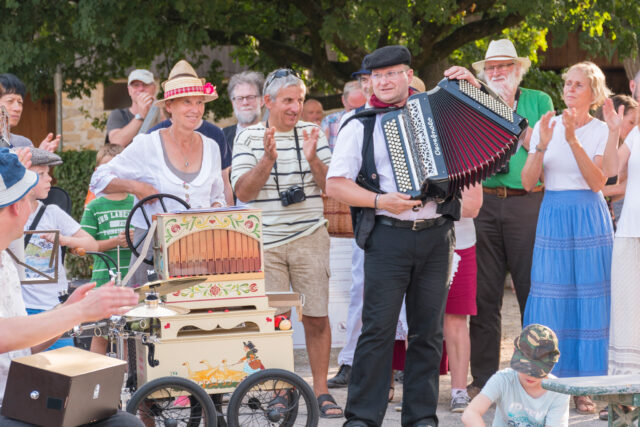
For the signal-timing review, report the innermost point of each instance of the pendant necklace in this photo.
(186, 158)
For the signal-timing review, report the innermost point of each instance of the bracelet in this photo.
(375, 202)
(540, 150)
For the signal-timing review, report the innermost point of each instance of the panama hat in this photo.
(501, 50)
(183, 81)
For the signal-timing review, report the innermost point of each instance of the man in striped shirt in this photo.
(280, 167)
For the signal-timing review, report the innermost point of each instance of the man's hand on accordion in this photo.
(396, 203)
(461, 73)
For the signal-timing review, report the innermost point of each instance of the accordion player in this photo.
(451, 137)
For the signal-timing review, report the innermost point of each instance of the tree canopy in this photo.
(95, 41)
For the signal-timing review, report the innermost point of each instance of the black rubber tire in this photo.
(249, 402)
(201, 411)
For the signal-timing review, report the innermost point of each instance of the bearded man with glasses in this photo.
(506, 224)
(280, 167)
(245, 93)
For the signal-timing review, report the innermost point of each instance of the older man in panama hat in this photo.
(176, 160)
(506, 224)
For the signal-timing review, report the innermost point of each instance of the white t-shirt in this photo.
(347, 160)
(38, 253)
(516, 408)
(465, 233)
(629, 222)
(11, 305)
(561, 170)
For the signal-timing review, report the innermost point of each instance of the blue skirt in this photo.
(570, 279)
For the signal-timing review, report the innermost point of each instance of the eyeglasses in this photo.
(499, 67)
(282, 72)
(390, 75)
(240, 99)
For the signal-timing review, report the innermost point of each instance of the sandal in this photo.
(325, 408)
(392, 391)
(280, 404)
(584, 405)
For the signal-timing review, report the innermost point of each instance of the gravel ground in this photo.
(510, 329)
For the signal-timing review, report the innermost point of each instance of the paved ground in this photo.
(511, 328)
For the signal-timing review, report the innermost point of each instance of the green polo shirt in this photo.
(532, 105)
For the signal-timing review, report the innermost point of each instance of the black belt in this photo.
(417, 225)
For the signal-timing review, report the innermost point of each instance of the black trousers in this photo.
(401, 262)
(506, 231)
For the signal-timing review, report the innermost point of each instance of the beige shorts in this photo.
(302, 265)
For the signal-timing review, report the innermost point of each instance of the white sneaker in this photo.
(459, 402)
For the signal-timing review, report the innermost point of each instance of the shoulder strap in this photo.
(34, 224)
(367, 112)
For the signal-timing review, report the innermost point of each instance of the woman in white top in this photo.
(624, 344)
(571, 269)
(176, 160)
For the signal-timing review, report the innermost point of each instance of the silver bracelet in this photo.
(540, 150)
(375, 202)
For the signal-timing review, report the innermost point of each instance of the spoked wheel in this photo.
(273, 397)
(141, 206)
(173, 402)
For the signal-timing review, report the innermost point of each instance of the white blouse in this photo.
(143, 161)
(561, 171)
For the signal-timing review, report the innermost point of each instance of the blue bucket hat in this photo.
(361, 71)
(15, 180)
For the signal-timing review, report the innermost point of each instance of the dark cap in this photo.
(387, 56)
(41, 157)
(361, 71)
(536, 351)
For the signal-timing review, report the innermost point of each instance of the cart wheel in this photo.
(172, 402)
(273, 397)
(141, 205)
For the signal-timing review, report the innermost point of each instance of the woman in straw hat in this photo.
(176, 160)
(571, 269)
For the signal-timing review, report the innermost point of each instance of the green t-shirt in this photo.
(532, 105)
(104, 219)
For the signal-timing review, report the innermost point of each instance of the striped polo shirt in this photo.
(282, 224)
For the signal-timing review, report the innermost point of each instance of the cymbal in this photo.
(164, 287)
(144, 310)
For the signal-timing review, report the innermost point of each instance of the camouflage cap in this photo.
(536, 351)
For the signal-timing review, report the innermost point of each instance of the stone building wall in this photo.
(77, 130)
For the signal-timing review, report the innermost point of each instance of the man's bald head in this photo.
(312, 111)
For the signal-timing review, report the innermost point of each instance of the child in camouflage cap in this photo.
(517, 391)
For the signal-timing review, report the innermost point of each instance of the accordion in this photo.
(451, 137)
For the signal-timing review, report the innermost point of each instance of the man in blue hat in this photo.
(39, 331)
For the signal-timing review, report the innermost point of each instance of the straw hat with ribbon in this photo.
(502, 50)
(183, 81)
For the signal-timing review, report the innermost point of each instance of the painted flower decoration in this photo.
(249, 224)
(253, 287)
(175, 228)
(215, 290)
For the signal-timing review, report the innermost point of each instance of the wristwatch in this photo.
(138, 117)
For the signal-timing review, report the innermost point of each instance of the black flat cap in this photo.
(387, 56)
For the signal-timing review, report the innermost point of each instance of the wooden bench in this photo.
(616, 390)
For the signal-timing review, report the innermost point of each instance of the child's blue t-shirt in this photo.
(516, 408)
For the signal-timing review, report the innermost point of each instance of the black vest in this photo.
(364, 219)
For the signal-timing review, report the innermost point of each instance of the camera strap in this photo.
(275, 165)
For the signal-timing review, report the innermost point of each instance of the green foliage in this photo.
(546, 81)
(74, 175)
(95, 41)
